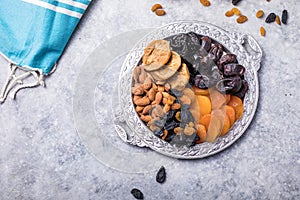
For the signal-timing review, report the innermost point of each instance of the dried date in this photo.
(216, 52)
(227, 58)
(233, 69)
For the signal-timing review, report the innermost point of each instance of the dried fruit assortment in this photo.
(188, 89)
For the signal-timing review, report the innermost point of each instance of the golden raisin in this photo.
(205, 2)
(259, 13)
(262, 31)
(236, 11)
(241, 19)
(277, 20)
(160, 12)
(155, 7)
(229, 13)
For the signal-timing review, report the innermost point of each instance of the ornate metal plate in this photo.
(132, 130)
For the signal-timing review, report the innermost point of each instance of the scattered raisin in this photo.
(161, 175)
(262, 31)
(277, 20)
(271, 18)
(259, 13)
(284, 16)
(156, 6)
(160, 12)
(205, 2)
(236, 11)
(229, 13)
(137, 193)
(235, 2)
(241, 19)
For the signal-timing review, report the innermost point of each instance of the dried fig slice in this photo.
(169, 70)
(156, 55)
(180, 79)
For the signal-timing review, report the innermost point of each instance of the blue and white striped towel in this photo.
(34, 33)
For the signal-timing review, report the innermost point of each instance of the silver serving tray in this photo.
(133, 131)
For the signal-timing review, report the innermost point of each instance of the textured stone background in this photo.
(42, 156)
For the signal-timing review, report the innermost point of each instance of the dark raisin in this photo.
(161, 175)
(137, 193)
(284, 16)
(170, 115)
(271, 18)
(235, 2)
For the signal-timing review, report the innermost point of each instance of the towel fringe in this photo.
(15, 83)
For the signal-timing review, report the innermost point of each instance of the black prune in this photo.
(284, 16)
(201, 81)
(137, 193)
(227, 58)
(229, 85)
(216, 52)
(233, 69)
(271, 18)
(161, 175)
(241, 93)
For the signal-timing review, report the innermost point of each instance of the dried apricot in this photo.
(214, 129)
(199, 91)
(226, 126)
(259, 13)
(205, 120)
(237, 105)
(201, 132)
(227, 97)
(230, 112)
(204, 105)
(241, 19)
(217, 99)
